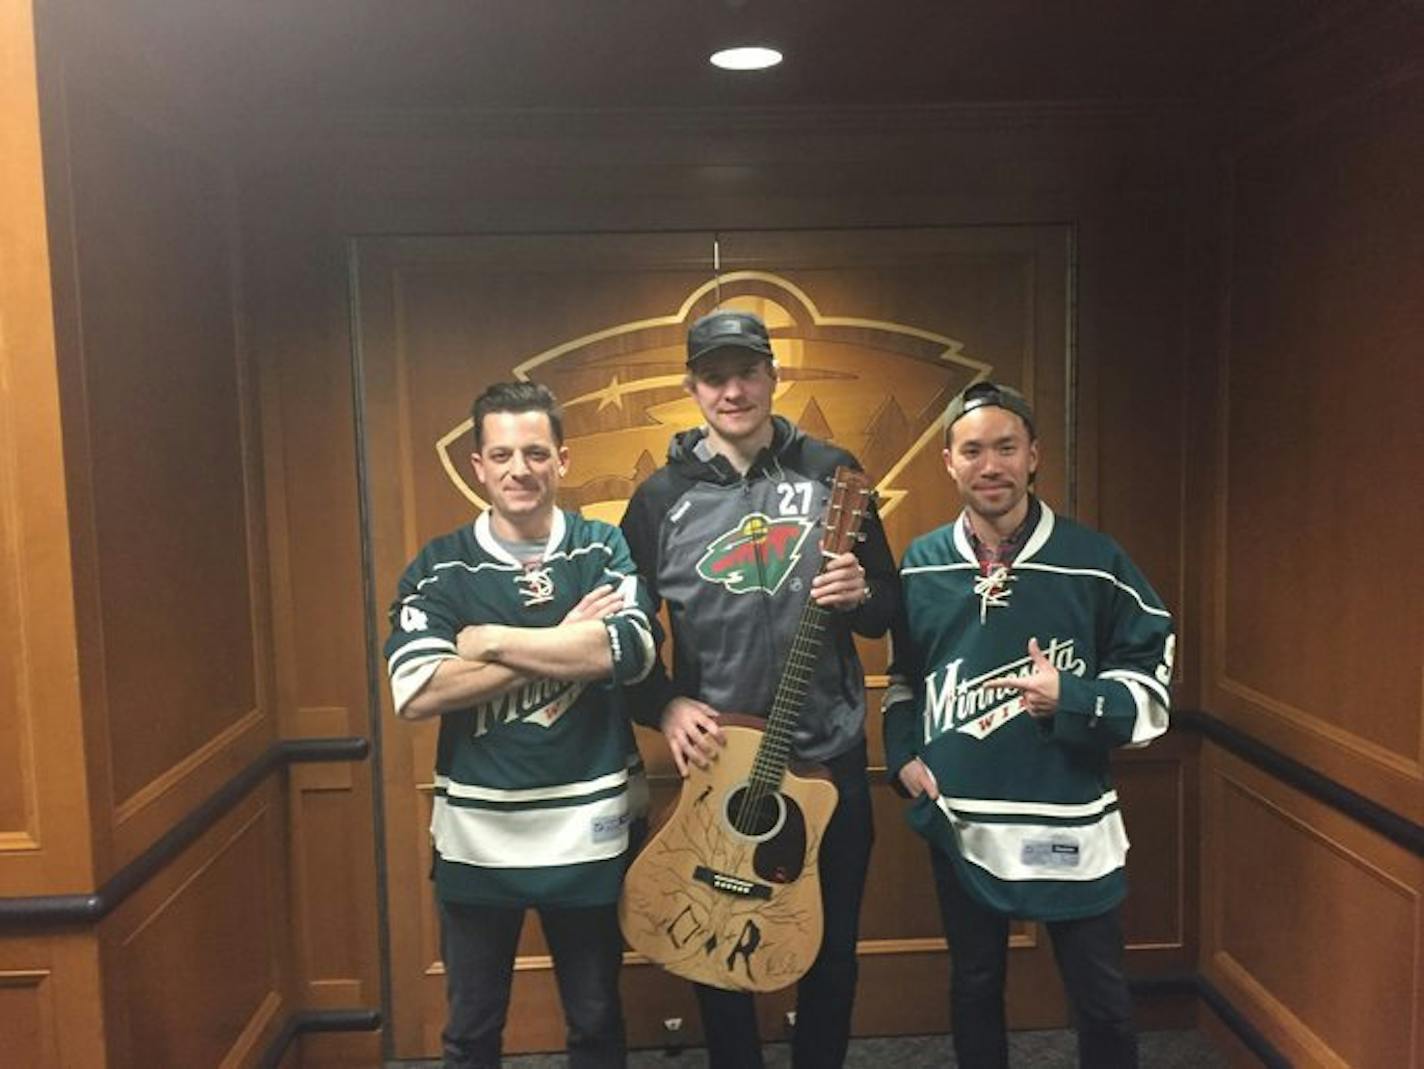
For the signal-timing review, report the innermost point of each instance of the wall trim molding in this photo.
(1198, 986)
(35, 910)
(1394, 826)
(354, 1020)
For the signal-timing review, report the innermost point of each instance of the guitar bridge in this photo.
(731, 885)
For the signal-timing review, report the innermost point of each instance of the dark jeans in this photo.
(1089, 956)
(478, 944)
(826, 993)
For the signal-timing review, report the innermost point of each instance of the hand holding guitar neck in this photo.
(841, 583)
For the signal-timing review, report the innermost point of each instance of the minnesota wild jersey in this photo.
(534, 789)
(1027, 808)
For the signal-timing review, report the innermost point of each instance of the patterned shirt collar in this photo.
(1004, 553)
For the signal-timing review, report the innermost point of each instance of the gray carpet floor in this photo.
(1027, 1050)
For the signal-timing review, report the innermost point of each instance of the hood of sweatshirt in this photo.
(689, 460)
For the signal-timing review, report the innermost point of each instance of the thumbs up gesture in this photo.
(1039, 688)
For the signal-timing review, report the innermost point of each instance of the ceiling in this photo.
(364, 55)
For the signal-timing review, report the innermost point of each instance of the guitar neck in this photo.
(775, 750)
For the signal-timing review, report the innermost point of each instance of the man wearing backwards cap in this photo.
(732, 628)
(1027, 649)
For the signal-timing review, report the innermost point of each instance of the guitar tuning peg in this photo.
(860, 536)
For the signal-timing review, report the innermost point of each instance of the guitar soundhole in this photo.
(757, 816)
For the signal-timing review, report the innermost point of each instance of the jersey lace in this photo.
(992, 589)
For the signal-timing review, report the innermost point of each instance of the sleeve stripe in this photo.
(898, 691)
(1151, 719)
(409, 678)
(645, 644)
(1128, 675)
(444, 645)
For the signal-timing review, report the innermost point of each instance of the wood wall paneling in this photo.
(45, 843)
(1133, 367)
(195, 962)
(298, 288)
(298, 314)
(19, 803)
(323, 852)
(49, 1001)
(1157, 788)
(1317, 516)
(335, 1050)
(28, 1012)
(1312, 925)
(169, 458)
(1312, 614)
(158, 497)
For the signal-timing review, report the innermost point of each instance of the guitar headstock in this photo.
(850, 501)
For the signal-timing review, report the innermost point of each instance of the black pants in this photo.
(1089, 956)
(826, 993)
(478, 944)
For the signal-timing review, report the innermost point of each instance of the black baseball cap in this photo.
(983, 395)
(727, 330)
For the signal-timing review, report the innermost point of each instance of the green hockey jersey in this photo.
(535, 790)
(1027, 808)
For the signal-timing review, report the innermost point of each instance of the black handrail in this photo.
(358, 1020)
(1393, 826)
(36, 910)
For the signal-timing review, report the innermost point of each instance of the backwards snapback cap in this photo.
(984, 395)
(727, 330)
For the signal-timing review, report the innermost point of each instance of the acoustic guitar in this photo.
(727, 891)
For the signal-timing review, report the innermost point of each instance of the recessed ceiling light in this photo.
(753, 58)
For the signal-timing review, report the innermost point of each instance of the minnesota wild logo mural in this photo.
(757, 554)
(875, 387)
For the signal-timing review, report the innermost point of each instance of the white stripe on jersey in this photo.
(1065, 811)
(531, 838)
(427, 643)
(1095, 574)
(939, 568)
(999, 849)
(532, 794)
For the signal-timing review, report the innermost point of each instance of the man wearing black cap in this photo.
(751, 478)
(1011, 610)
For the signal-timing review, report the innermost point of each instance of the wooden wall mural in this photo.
(622, 390)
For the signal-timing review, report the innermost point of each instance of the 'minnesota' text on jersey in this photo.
(1026, 806)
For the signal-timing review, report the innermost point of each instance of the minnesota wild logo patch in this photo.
(757, 554)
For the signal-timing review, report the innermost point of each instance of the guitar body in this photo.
(734, 910)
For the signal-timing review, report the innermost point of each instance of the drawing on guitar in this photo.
(727, 892)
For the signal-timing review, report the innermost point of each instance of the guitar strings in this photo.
(769, 766)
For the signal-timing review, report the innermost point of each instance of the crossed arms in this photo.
(493, 659)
